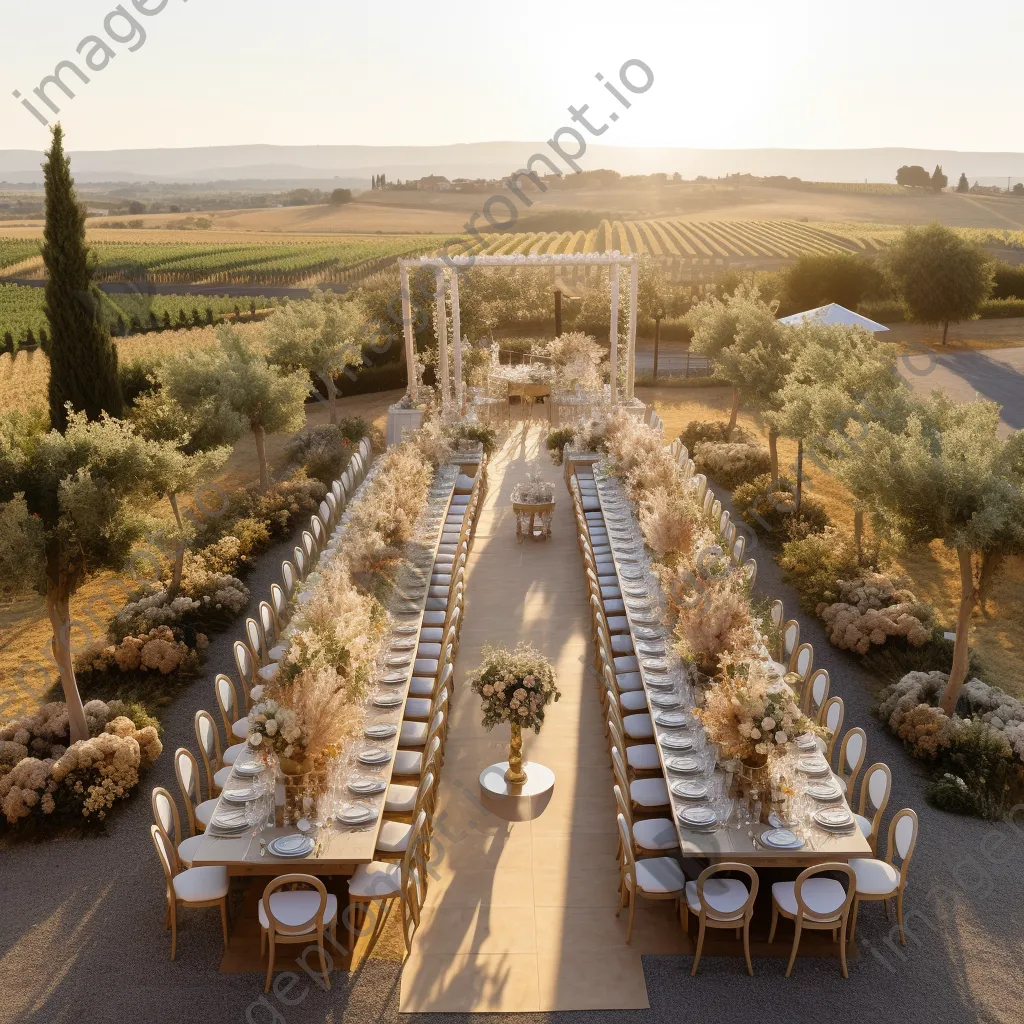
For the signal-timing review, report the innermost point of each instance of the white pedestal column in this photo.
(634, 278)
(410, 345)
(457, 331)
(614, 335)
(442, 339)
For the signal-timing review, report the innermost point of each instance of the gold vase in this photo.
(515, 776)
(756, 771)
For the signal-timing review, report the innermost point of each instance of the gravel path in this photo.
(81, 936)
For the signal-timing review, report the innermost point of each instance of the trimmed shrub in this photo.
(813, 565)
(323, 452)
(556, 442)
(713, 430)
(731, 464)
(771, 508)
(477, 433)
(870, 610)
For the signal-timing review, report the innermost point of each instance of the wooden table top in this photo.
(733, 842)
(342, 849)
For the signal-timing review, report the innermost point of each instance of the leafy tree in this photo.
(135, 207)
(751, 349)
(943, 473)
(941, 277)
(963, 185)
(938, 180)
(195, 447)
(914, 175)
(321, 336)
(814, 280)
(71, 504)
(340, 196)
(840, 375)
(83, 360)
(236, 376)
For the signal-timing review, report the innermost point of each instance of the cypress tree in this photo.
(83, 360)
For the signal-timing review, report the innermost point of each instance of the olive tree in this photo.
(751, 349)
(839, 374)
(942, 474)
(236, 376)
(321, 336)
(941, 277)
(197, 446)
(71, 504)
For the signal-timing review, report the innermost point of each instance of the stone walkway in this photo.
(521, 916)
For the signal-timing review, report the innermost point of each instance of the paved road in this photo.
(997, 375)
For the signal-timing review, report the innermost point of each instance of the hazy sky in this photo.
(737, 74)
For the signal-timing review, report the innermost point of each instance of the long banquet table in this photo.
(342, 850)
(732, 842)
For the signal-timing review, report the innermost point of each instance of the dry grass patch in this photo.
(932, 571)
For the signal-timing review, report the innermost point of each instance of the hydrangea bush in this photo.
(43, 780)
(731, 463)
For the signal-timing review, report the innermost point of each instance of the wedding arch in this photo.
(445, 282)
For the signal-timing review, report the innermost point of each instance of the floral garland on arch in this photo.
(316, 702)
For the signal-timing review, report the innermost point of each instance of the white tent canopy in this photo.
(833, 313)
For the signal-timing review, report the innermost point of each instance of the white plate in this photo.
(407, 628)
(367, 787)
(664, 700)
(375, 757)
(701, 817)
(398, 660)
(671, 719)
(655, 664)
(781, 839)
(380, 731)
(248, 770)
(404, 645)
(805, 742)
(644, 633)
(684, 765)
(229, 820)
(240, 796)
(660, 684)
(813, 766)
(690, 789)
(824, 791)
(394, 678)
(389, 700)
(357, 814)
(291, 846)
(677, 742)
(834, 817)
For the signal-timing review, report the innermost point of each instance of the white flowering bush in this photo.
(156, 608)
(577, 359)
(42, 779)
(871, 609)
(514, 686)
(731, 463)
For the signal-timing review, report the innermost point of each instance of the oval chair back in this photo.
(815, 693)
(327, 510)
(289, 577)
(309, 546)
(209, 746)
(723, 521)
(831, 717)
(336, 490)
(732, 916)
(750, 571)
(315, 920)
(165, 814)
(301, 563)
(187, 773)
(851, 757)
(790, 640)
(874, 798)
(739, 547)
(808, 914)
(709, 497)
(902, 840)
(716, 511)
(227, 702)
(245, 665)
(317, 529)
(268, 627)
(257, 645)
(802, 660)
(279, 606)
(777, 614)
(168, 856)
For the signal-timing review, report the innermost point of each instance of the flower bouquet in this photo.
(751, 714)
(275, 729)
(515, 687)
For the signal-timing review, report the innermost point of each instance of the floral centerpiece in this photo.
(751, 714)
(515, 687)
(533, 491)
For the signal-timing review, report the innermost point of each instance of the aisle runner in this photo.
(521, 917)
